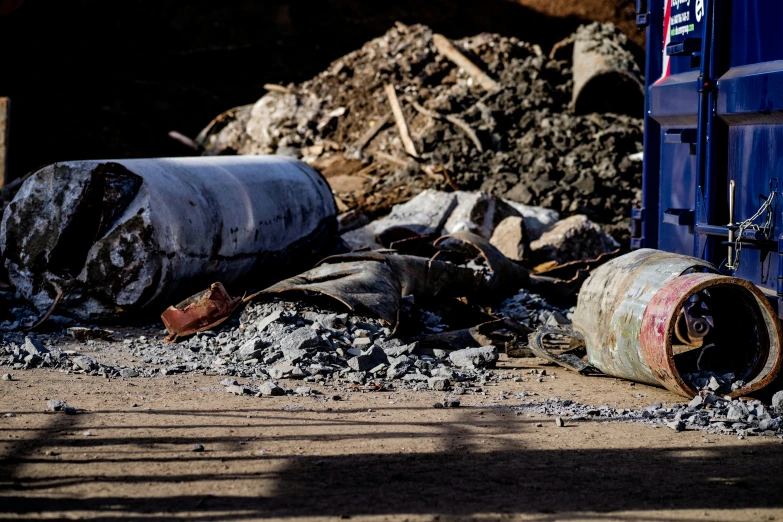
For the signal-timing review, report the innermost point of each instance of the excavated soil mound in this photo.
(521, 141)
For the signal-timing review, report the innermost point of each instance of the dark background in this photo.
(106, 79)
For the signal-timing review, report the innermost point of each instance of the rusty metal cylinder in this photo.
(120, 236)
(630, 309)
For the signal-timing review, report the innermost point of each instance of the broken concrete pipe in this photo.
(654, 317)
(606, 76)
(134, 235)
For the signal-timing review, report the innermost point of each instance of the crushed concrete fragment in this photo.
(510, 237)
(270, 389)
(572, 239)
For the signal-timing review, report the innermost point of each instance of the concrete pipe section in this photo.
(654, 317)
(117, 236)
(606, 77)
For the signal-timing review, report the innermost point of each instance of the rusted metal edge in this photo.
(659, 321)
(200, 312)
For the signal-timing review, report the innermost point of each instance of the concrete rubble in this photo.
(706, 412)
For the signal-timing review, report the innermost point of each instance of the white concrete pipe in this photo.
(117, 236)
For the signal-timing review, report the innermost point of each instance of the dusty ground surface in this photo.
(128, 454)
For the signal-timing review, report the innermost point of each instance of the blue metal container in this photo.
(713, 121)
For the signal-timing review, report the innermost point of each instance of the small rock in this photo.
(303, 390)
(266, 321)
(451, 402)
(438, 383)
(777, 402)
(510, 237)
(237, 390)
(575, 238)
(197, 448)
(84, 363)
(471, 358)
(251, 349)
(294, 345)
(676, 425)
(559, 422)
(696, 403)
(56, 405)
(438, 405)
(128, 373)
(8, 377)
(229, 382)
(270, 389)
(34, 347)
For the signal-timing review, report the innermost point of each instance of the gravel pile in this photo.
(282, 340)
(705, 412)
(532, 310)
(521, 142)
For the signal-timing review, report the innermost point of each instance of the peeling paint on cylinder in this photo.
(627, 311)
(611, 305)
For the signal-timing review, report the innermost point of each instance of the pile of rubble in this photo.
(705, 412)
(286, 340)
(501, 122)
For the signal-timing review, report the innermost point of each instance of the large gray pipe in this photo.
(135, 235)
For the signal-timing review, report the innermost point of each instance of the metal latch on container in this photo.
(688, 47)
(642, 14)
(681, 136)
(637, 218)
(684, 48)
(679, 216)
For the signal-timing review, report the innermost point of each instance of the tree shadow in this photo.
(464, 476)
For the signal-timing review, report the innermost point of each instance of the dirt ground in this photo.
(128, 454)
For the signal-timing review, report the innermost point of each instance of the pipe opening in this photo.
(720, 339)
(110, 191)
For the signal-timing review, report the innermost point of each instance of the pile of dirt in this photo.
(520, 141)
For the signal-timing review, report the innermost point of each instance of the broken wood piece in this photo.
(178, 136)
(447, 49)
(457, 122)
(5, 106)
(48, 314)
(370, 133)
(388, 158)
(273, 87)
(399, 117)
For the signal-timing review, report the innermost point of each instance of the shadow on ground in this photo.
(468, 477)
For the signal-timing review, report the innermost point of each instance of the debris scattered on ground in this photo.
(706, 412)
(519, 141)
